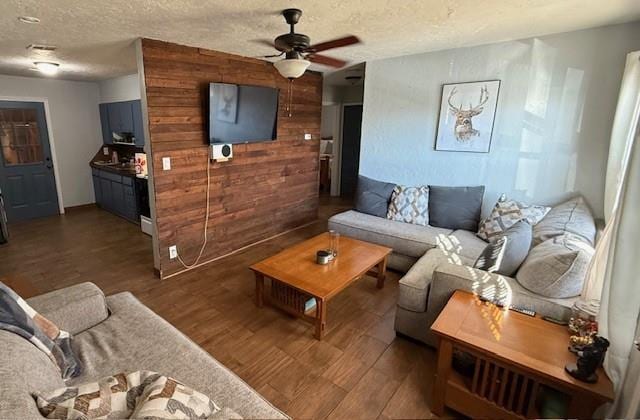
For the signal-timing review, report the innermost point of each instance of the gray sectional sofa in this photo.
(437, 262)
(114, 334)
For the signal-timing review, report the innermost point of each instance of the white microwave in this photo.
(123, 138)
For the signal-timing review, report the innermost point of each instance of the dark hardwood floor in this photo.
(360, 370)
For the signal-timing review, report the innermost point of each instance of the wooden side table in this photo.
(514, 362)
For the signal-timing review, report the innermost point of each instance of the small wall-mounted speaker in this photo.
(221, 152)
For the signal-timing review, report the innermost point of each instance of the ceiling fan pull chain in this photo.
(290, 98)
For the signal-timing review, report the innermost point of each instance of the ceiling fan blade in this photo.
(336, 43)
(272, 55)
(327, 61)
(265, 42)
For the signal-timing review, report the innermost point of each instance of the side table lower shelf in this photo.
(497, 390)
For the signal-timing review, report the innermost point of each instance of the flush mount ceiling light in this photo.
(46, 67)
(28, 19)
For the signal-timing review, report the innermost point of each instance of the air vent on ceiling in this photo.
(42, 47)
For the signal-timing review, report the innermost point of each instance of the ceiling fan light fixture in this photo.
(291, 68)
(46, 67)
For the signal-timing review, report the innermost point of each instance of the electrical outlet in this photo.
(307, 136)
(166, 163)
(173, 252)
(105, 151)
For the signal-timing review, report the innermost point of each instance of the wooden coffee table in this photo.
(517, 358)
(296, 278)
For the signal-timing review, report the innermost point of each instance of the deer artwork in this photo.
(463, 129)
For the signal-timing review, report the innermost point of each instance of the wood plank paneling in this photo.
(266, 189)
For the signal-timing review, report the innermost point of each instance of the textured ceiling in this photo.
(95, 37)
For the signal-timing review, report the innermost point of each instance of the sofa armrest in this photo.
(73, 309)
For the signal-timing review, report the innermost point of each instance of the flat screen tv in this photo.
(241, 113)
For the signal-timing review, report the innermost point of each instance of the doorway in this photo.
(27, 180)
(350, 159)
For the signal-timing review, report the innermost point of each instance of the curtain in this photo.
(625, 120)
(614, 277)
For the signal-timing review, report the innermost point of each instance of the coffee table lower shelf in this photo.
(293, 301)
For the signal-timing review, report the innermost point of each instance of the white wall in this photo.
(553, 121)
(335, 94)
(124, 88)
(75, 124)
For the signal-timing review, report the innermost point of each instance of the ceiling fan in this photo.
(298, 50)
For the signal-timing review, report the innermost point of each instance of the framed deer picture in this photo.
(467, 113)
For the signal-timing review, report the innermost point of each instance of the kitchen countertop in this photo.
(116, 170)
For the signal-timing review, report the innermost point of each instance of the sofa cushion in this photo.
(409, 205)
(557, 267)
(572, 216)
(140, 394)
(18, 317)
(506, 254)
(29, 370)
(372, 196)
(403, 238)
(507, 213)
(464, 243)
(455, 207)
(135, 338)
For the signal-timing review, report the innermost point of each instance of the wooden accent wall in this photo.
(267, 188)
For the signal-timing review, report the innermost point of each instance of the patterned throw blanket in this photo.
(140, 395)
(18, 317)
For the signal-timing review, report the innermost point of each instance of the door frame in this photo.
(52, 146)
(339, 145)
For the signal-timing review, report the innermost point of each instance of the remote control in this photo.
(497, 303)
(522, 310)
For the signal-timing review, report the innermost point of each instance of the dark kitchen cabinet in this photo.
(97, 188)
(104, 123)
(117, 197)
(115, 124)
(105, 195)
(125, 109)
(116, 194)
(138, 128)
(122, 117)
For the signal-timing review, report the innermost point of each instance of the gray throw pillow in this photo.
(506, 253)
(372, 196)
(455, 207)
(557, 267)
(572, 217)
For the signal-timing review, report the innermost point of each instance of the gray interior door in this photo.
(351, 129)
(26, 170)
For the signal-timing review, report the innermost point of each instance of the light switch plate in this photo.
(307, 136)
(173, 252)
(166, 163)
(105, 151)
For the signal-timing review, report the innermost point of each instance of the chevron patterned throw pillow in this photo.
(409, 205)
(507, 213)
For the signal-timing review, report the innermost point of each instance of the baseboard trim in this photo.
(80, 207)
(168, 276)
